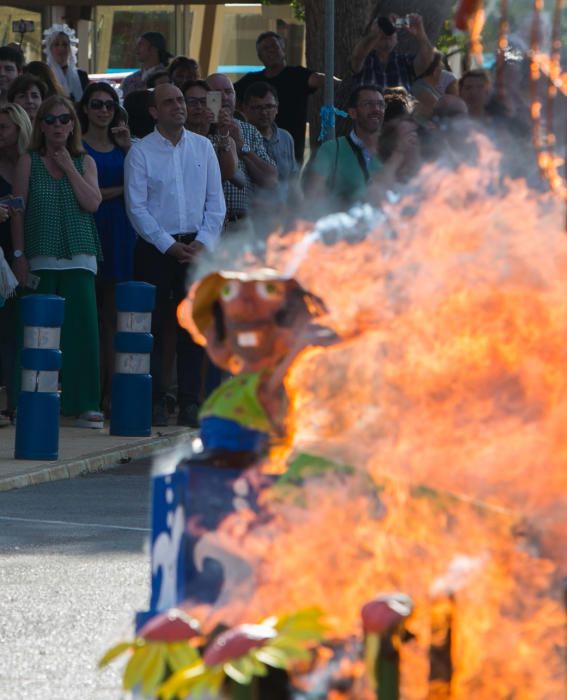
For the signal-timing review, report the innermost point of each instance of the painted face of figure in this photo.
(250, 311)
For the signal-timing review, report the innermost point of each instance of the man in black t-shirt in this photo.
(294, 84)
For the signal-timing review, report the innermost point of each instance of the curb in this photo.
(98, 462)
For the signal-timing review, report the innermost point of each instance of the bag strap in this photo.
(333, 180)
(359, 157)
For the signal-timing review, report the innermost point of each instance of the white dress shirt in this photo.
(171, 190)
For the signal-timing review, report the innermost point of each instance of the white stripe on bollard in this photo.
(134, 322)
(132, 363)
(43, 337)
(42, 381)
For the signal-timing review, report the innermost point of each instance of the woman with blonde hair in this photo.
(56, 238)
(15, 133)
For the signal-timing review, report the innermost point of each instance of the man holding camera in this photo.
(376, 61)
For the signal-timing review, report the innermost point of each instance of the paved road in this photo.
(73, 570)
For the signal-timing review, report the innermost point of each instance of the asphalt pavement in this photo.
(73, 571)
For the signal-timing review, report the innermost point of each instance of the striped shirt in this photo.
(397, 72)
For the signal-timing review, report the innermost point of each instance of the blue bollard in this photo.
(131, 412)
(37, 418)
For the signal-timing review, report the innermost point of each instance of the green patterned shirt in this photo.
(237, 399)
(55, 224)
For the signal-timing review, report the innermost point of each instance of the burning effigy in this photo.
(376, 505)
(401, 531)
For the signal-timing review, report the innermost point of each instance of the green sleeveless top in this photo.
(55, 224)
(237, 399)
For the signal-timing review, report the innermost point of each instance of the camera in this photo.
(402, 22)
(23, 26)
(386, 26)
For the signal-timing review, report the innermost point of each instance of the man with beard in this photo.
(343, 167)
(175, 202)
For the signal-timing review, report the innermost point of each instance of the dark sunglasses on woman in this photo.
(50, 119)
(110, 105)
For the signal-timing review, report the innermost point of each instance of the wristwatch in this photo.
(17, 253)
(245, 149)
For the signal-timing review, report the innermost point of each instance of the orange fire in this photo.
(448, 399)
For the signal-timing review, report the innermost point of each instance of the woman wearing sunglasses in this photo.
(106, 138)
(56, 239)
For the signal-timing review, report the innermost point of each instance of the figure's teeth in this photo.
(247, 340)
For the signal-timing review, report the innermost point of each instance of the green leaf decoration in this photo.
(272, 656)
(135, 667)
(236, 671)
(155, 669)
(259, 669)
(181, 655)
(292, 651)
(114, 652)
(181, 682)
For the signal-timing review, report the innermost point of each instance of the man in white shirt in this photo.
(175, 201)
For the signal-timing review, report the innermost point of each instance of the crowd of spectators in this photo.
(141, 181)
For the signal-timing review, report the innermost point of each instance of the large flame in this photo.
(448, 398)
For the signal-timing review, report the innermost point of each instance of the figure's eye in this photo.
(230, 290)
(269, 290)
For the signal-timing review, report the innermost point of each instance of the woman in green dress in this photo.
(56, 240)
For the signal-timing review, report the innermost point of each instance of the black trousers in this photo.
(171, 279)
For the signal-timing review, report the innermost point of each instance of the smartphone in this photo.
(32, 281)
(15, 203)
(214, 102)
(402, 22)
(23, 26)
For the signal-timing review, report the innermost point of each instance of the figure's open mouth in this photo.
(249, 339)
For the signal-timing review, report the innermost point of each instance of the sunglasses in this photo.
(109, 105)
(50, 119)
